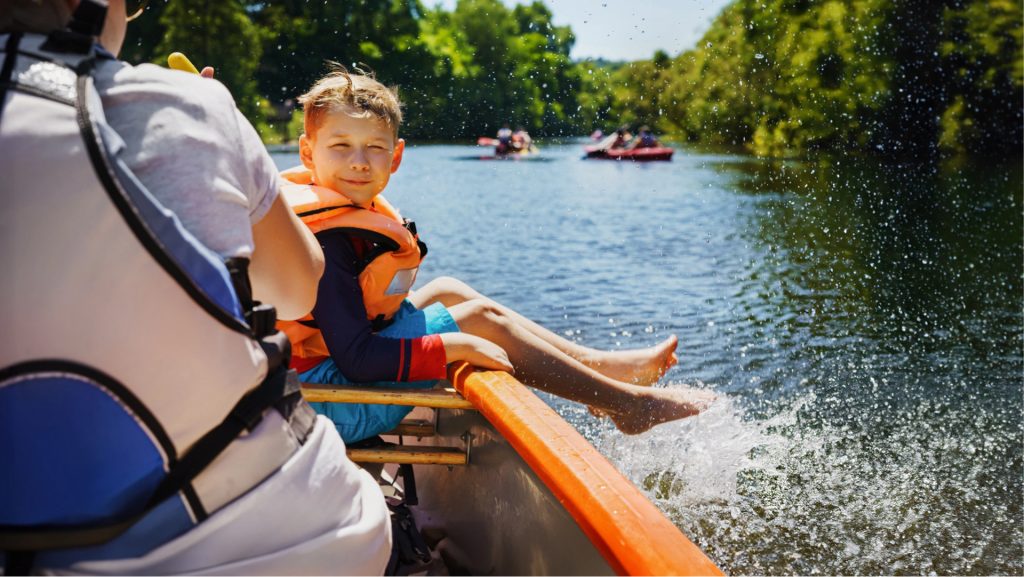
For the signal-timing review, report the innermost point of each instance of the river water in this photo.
(861, 323)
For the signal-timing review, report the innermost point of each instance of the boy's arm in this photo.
(362, 355)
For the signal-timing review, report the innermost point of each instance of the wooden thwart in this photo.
(446, 398)
(414, 455)
(414, 428)
(433, 398)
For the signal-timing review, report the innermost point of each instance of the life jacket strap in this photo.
(10, 57)
(280, 384)
(260, 317)
(410, 225)
(380, 323)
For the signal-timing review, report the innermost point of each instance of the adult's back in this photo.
(134, 340)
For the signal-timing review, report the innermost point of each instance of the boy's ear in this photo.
(306, 151)
(396, 161)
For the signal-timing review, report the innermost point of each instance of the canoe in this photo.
(533, 154)
(527, 154)
(635, 154)
(504, 485)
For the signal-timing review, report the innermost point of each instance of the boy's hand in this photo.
(477, 351)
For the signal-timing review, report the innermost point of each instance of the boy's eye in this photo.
(340, 145)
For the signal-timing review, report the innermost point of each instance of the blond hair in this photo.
(341, 90)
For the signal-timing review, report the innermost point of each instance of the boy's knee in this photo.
(445, 281)
(487, 310)
(454, 286)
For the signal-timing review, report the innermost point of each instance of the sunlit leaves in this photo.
(774, 77)
(784, 77)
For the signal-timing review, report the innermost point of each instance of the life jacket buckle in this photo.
(261, 319)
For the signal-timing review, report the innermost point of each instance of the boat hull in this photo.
(495, 516)
(536, 498)
(634, 154)
(514, 156)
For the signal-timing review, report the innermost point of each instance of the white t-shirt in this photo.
(318, 514)
(193, 149)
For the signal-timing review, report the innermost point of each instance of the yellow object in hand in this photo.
(179, 61)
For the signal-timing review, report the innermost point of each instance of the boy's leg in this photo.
(638, 366)
(540, 364)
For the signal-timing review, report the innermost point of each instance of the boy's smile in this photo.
(353, 153)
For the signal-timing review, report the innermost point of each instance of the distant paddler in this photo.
(619, 139)
(521, 141)
(645, 139)
(509, 142)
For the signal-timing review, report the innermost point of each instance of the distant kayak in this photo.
(531, 153)
(514, 156)
(635, 154)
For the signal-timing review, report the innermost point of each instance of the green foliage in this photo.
(785, 77)
(776, 77)
(595, 98)
(138, 43)
(218, 34)
(983, 49)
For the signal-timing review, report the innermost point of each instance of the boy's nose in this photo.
(358, 161)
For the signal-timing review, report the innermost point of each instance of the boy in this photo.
(361, 332)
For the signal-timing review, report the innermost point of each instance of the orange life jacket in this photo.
(389, 267)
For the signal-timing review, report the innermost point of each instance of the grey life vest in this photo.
(141, 388)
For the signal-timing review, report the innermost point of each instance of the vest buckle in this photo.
(262, 318)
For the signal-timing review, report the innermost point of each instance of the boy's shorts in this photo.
(356, 422)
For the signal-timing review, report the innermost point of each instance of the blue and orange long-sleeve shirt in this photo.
(360, 353)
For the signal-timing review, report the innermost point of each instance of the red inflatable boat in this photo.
(635, 154)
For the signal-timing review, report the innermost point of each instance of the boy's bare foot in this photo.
(638, 366)
(661, 406)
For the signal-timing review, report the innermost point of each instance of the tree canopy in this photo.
(775, 77)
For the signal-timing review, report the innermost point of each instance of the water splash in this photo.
(694, 460)
(790, 494)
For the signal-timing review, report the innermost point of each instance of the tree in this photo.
(218, 34)
(777, 77)
(138, 42)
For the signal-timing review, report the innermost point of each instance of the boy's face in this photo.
(353, 155)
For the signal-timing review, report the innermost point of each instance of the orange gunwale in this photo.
(632, 534)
